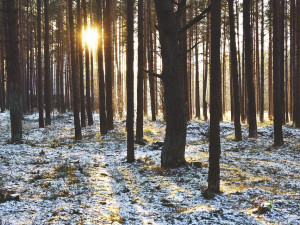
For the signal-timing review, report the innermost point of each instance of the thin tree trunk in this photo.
(140, 89)
(48, 83)
(151, 64)
(101, 88)
(129, 82)
(108, 63)
(39, 65)
(234, 74)
(75, 85)
(87, 70)
(262, 75)
(277, 64)
(249, 70)
(80, 64)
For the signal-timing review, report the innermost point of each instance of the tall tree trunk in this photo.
(80, 64)
(277, 64)
(13, 69)
(39, 65)
(108, 63)
(262, 75)
(207, 51)
(129, 82)
(48, 83)
(75, 85)
(270, 66)
(297, 74)
(292, 57)
(101, 88)
(151, 63)
(174, 144)
(140, 88)
(257, 69)
(215, 97)
(197, 82)
(87, 70)
(249, 70)
(234, 74)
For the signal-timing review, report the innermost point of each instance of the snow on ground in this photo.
(63, 181)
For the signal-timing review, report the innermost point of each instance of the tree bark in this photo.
(48, 83)
(101, 88)
(108, 63)
(140, 87)
(39, 66)
(215, 97)
(87, 71)
(75, 85)
(175, 139)
(129, 82)
(234, 74)
(277, 64)
(13, 69)
(249, 70)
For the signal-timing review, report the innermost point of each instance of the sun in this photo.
(90, 37)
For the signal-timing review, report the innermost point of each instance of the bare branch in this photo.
(152, 73)
(195, 20)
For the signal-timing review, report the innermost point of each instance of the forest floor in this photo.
(63, 181)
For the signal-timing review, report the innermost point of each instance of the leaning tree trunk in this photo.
(13, 69)
(175, 139)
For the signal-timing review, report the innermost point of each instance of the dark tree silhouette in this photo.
(80, 62)
(39, 65)
(140, 87)
(87, 71)
(102, 108)
(234, 74)
(13, 69)
(277, 64)
(47, 80)
(129, 82)
(75, 85)
(215, 97)
(108, 63)
(249, 70)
